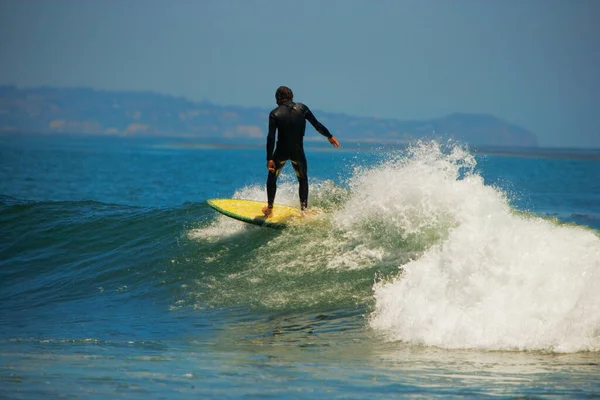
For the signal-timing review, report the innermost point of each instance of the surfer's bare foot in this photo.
(308, 212)
(267, 211)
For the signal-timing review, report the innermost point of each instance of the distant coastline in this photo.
(89, 111)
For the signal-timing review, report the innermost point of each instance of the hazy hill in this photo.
(88, 111)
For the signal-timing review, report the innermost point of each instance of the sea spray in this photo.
(410, 197)
(500, 280)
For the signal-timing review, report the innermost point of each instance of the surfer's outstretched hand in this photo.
(334, 142)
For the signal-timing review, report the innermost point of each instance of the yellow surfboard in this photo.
(251, 211)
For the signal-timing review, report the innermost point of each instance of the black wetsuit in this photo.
(289, 119)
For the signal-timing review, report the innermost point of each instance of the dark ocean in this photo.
(433, 271)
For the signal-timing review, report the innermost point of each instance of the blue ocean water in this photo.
(432, 271)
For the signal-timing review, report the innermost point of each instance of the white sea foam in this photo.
(496, 280)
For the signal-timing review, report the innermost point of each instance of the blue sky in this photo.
(535, 63)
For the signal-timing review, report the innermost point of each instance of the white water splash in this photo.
(498, 280)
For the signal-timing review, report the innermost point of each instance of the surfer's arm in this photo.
(271, 136)
(316, 124)
(320, 127)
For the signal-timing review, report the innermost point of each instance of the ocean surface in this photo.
(432, 271)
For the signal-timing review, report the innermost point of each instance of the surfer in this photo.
(289, 120)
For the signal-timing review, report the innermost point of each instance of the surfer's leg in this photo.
(301, 169)
(272, 182)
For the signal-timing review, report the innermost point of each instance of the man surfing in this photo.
(289, 120)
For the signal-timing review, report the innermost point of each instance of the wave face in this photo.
(57, 252)
(414, 246)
